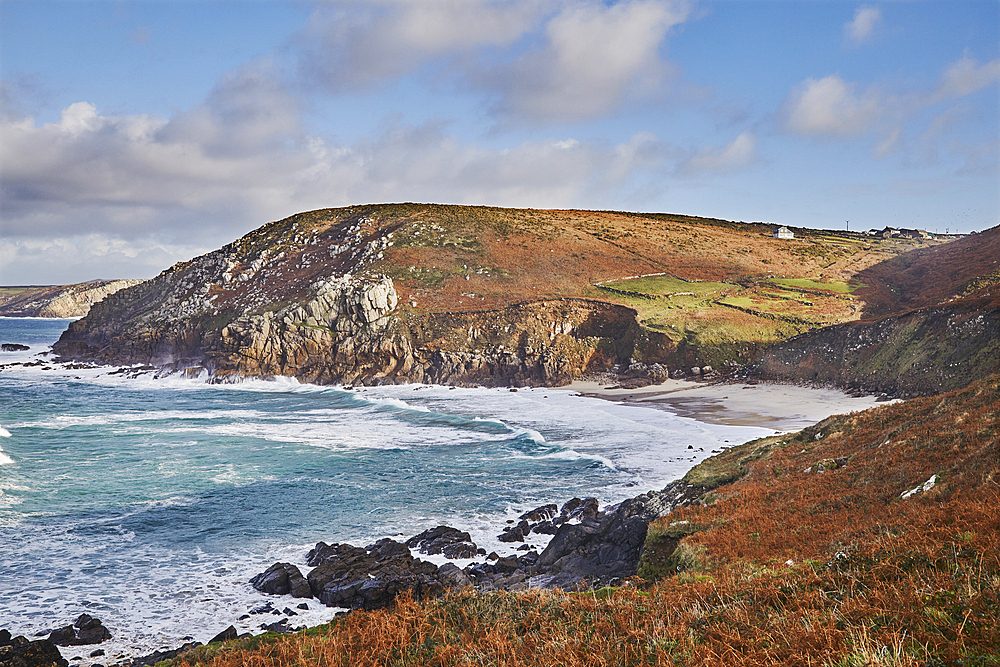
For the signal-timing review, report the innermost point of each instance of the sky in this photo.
(136, 134)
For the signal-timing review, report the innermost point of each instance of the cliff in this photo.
(58, 301)
(477, 295)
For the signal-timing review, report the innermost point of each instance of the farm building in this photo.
(783, 233)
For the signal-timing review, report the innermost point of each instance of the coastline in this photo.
(782, 407)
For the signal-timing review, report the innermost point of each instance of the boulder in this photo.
(226, 635)
(543, 513)
(515, 533)
(13, 347)
(85, 630)
(20, 652)
(282, 579)
(450, 542)
(370, 578)
(603, 548)
(451, 576)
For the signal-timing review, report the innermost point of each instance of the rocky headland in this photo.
(58, 301)
(473, 296)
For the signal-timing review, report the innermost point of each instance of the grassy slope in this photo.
(788, 565)
(448, 258)
(931, 323)
(931, 275)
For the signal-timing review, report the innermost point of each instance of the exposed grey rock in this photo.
(450, 542)
(282, 579)
(226, 635)
(85, 630)
(371, 578)
(21, 652)
(451, 576)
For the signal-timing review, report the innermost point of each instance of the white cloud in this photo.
(537, 60)
(352, 44)
(863, 27)
(737, 154)
(101, 190)
(594, 58)
(830, 106)
(965, 77)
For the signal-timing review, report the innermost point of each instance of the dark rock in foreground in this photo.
(450, 542)
(282, 579)
(21, 652)
(85, 630)
(369, 578)
(589, 548)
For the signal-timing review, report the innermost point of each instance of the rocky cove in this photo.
(589, 548)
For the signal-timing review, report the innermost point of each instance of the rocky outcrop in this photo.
(922, 352)
(22, 652)
(369, 578)
(282, 579)
(589, 548)
(450, 542)
(84, 630)
(310, 297)
(61, 301)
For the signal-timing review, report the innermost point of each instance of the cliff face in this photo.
(923, 352)
(60, 301)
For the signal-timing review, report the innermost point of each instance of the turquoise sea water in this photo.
(150, 502)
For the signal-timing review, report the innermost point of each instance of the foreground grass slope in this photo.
(832, 547)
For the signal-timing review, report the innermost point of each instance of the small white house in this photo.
(783, 233)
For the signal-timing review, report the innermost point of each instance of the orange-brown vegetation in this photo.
(930, 275)
(793, 564)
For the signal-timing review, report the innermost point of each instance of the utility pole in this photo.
(848, 225)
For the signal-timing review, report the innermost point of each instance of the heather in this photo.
(833, 547)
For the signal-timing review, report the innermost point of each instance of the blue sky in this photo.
(137, 134)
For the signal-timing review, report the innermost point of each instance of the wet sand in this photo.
(777, 406)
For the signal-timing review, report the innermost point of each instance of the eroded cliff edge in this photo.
(61, 300)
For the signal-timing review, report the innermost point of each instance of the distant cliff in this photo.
(60, 300)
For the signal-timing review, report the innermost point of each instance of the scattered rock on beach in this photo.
(369, 578)
(85, 630)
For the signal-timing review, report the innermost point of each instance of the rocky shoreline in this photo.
(589, 548)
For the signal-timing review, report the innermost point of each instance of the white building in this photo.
(783, 233)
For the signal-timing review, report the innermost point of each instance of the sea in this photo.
(149, 502)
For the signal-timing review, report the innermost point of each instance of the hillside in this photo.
(867, 539)
(931, 323)
(477, 295)
(58, 300)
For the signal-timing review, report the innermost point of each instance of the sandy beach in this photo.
(778, 406)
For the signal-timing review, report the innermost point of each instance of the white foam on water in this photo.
(4, 459)
(4, 433)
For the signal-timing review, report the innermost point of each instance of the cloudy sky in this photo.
(137, 134)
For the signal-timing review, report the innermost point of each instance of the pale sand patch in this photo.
(778, 406)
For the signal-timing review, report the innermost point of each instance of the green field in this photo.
(815, 285)
(670, 286)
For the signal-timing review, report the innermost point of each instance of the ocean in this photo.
(150, 502)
